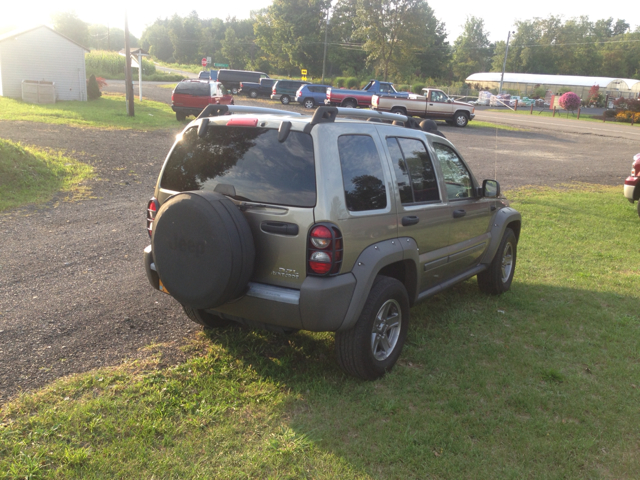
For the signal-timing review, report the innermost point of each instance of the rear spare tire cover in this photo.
(202, 248)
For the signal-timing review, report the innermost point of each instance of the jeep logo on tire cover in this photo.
(184, 245)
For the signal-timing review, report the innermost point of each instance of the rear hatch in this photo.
(273, 183)
(191, 95)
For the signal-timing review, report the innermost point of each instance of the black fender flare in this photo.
(501, 220)
(370, 262)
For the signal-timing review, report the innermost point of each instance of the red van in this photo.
(191, 96)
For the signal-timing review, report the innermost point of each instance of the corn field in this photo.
(105, 62)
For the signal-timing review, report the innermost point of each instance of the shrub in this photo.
(417, 88)
(352, 82)
(93, 90)
(340, 81)
(609, 113)
(570, 101)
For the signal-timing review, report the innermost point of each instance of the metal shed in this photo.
(525, 83)
(42, 54)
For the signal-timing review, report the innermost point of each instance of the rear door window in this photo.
(414, 170)
(246, 163)
(362, 175)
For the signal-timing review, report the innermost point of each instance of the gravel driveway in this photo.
(73, 291)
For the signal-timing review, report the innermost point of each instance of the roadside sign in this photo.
(303, 78)
(303, 72)
(222, 65)
(208, 60)
(204, 62)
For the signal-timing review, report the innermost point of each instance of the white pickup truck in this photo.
(434, 104)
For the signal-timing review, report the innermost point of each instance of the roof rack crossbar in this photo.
(214, 110)
(328, 114)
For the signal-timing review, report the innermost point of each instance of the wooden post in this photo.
(554, 110)
(531, 111)
(128, 80)
(579, 112)
(516, 109)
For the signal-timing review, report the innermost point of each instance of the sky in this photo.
(498, 20)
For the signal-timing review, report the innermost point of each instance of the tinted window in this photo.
(364, 187)
(197, 89)
(251, 160)
(414, 171)
(456, 176)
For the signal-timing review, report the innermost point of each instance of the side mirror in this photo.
(490, 189)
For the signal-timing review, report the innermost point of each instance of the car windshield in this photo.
(248, 164)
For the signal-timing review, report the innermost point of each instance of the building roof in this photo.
(534, 78)
(17, 33)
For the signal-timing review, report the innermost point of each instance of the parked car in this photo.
(255, 90)
(361, 98)
(433, 104)
(231, 79)
(191, 96)
(208, 75)
(632, 183)
(285, 90)
(311, 95)
(293, 222)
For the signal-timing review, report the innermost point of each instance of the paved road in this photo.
(557, 124)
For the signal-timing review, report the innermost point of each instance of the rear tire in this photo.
(309, 103)
(234, 90)
(204, 318)
(181, 117)
(285, 100)
(497, 279)
(372, 347)
(399, 110)
(253, 94)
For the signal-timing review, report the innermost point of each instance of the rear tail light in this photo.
(152, 209)
(324, 250)
(273, 90)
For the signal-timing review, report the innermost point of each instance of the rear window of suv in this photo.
(251, 160)
(197, 89)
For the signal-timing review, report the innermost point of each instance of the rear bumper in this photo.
(187, 110)
(632, 189)
(320, 305)
(276, 96)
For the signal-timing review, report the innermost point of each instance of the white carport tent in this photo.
(525, 83)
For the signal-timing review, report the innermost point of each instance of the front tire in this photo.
(285, 100)
(204, 318)
(309, 103)
(497, 279)
(372, 347)
(460, 119)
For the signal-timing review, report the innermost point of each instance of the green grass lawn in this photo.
(108, 112)
(33, 175)
(542, 382)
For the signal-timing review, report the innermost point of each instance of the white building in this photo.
(39, 54)
(526, 83)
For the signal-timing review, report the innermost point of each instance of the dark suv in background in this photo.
(285, 90)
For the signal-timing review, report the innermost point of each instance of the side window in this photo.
(414, 170)
(364, 187)
(455, 173)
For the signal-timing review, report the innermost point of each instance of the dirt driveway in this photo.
(73, 291)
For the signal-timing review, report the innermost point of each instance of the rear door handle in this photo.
(410, 220)
(459, 213)
(280, 228)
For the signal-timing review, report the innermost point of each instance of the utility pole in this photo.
(324, 56)
(127, 74)
(504, 64)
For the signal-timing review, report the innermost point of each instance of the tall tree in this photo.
(156, 40)
(68, 24)
(472, 49)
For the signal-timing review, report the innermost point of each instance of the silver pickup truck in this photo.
(434, 104)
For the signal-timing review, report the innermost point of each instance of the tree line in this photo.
(400, 40)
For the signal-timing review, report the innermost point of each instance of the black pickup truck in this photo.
(255, 90)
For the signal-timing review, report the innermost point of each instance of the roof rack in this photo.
(329, 114)
(215, 110)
